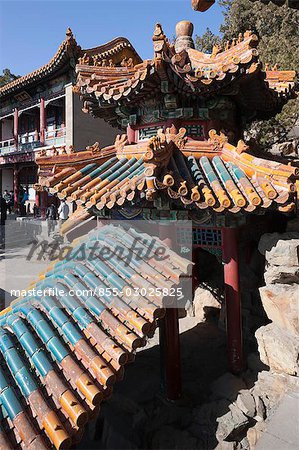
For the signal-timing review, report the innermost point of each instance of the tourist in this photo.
(35, 210)
(7, 198)
(63, 211)
(51, 215)
(11, 200)
(3, 210)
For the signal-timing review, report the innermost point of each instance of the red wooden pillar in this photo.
(37, 202)
(171, 378)
(15, 185)
(232, 299)
(43, 203)
(42, 121)
(16, 128)
(131, 134)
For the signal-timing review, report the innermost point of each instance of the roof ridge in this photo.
(68, 43)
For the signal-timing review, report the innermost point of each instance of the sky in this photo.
(31, 31)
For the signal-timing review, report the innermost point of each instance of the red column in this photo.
(170, 343)
(42, 121)
(16, 128)
(16, 185)
(131, 134)
(43, 203)
(232, 299)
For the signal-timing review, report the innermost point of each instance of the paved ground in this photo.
(16, 271)
(283, 428)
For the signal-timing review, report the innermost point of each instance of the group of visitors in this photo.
(52, 214)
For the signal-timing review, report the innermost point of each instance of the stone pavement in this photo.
(282, 432)
(16, 271)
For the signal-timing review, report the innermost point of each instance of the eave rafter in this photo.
(181, 70)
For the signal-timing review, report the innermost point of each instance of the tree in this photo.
(278, 32)
(7, 77)
(206, 42)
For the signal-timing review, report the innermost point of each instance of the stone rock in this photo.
(227, 386)
(270, 387)
(260, 414)
(254, 433)
(278, 348)
(280, 249)
(243, 444)
(281, 304)
(245, 402)
(289, 148)
(231, 423)
(204, 302)
(281, 274)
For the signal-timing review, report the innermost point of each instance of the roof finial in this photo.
(184, 31)
(202, 5)
(69, 33)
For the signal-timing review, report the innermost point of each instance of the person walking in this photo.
(63, 212)
(3, 210)
(12, 200)
(51, 215)
(7, 198)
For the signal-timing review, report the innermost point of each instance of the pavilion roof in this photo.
(61, 353)
(193, 174)
(234, 71)
(115, 50)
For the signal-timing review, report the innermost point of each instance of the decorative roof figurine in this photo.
(182, 112)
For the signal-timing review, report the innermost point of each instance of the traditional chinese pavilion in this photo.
(181, 156)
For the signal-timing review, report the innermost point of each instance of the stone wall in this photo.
(278, 342)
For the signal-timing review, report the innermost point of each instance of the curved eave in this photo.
(68, 49)
(209, 174)
(113, 47)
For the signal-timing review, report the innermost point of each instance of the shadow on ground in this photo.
(138, 417)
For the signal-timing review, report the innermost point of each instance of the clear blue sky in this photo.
(31, 31)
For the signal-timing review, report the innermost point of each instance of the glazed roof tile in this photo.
(62, 353)
(68, 48)
(196, 174)
(189, 72)
(115, 51)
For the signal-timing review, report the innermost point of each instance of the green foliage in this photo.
(278, 32)
(7, 77)
(276, 27)
(206, 42)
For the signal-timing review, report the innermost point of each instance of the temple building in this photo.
(182, 156)
(39, 111)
